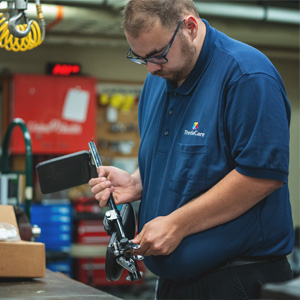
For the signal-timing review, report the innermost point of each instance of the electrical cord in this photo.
(33, 39)
(11, 43)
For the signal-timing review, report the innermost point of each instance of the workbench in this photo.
(54, 286)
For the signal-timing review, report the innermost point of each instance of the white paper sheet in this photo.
(76, 105)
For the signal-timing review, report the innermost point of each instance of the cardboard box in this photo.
(20, 258)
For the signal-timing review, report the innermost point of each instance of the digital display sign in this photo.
(63, 69)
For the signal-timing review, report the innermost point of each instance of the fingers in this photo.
(158, 237)
(145, 249)
(138, 238)
(102, 174)
(103, 171)
(146, 245)
(101, 187)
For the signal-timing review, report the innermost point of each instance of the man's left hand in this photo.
(160, 236)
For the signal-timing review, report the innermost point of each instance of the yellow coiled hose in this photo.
(9, 42)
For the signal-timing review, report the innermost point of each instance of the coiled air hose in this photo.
(33, 39)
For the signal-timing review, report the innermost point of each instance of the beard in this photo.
(188, 54)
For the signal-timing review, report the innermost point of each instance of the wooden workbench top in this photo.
(54, 286)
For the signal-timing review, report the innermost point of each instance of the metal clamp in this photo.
(111, 215)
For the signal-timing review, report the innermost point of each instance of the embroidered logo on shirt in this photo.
(194, 131)
(195, 126)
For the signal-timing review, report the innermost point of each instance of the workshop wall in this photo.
(109, 63)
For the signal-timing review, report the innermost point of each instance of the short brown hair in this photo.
(140, 15)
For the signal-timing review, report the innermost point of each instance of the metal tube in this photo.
(28, 158)
(249, 12)
(217, 9)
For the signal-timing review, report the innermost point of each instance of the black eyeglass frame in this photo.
(143, 61)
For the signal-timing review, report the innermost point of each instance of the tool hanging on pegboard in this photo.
(16, 32)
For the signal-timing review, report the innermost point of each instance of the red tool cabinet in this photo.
(59, 112)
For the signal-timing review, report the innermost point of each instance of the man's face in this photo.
(181, 55)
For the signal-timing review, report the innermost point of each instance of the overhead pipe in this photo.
(249, 12)
(59, 15)
(216, 9)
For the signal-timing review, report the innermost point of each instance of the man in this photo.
(215, 218)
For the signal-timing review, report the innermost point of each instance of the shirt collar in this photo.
(203, 61)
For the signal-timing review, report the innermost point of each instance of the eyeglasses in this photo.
(158, 59)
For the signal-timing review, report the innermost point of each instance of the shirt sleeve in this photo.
(257, 118)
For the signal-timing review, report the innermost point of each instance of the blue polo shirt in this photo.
(232, 112)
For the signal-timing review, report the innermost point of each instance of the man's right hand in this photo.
(125, 187)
